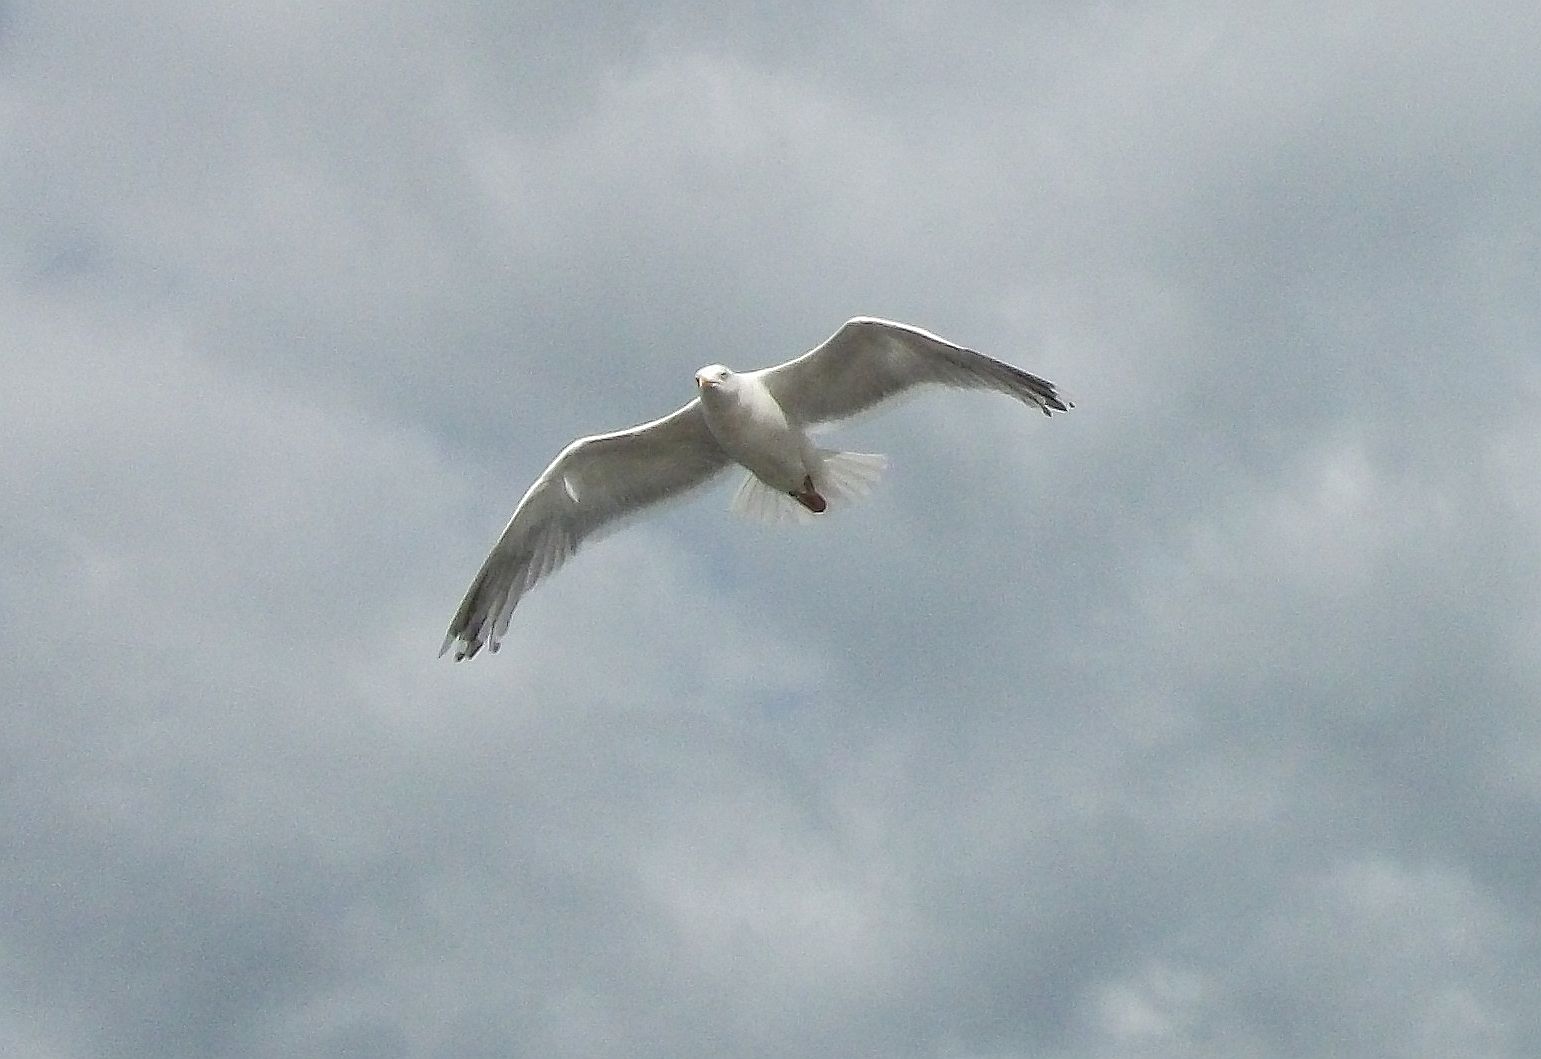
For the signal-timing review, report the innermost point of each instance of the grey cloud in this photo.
(1197, 722)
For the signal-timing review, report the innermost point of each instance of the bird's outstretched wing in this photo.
(868, 361)
(590, 486)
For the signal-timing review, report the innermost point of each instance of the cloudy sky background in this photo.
(1202, 721)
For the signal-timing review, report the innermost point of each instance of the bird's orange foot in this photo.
(809, 497)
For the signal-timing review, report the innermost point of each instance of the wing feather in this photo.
(869, 361)
(590, 487)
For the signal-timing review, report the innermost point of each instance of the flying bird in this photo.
(758, 420)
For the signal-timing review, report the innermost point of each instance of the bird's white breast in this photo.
(751, 427)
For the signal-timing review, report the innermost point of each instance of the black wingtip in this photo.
(1040, 390)
(1050, 402)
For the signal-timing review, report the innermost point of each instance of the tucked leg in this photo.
(809, 497)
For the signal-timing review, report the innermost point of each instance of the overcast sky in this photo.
(1202, 721)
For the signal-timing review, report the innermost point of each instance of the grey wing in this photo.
(594, 483)
(868, 361)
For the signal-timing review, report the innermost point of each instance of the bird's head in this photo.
(712, 377)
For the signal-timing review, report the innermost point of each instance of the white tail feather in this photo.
(848, 476)
(841, 477)
(759, 502)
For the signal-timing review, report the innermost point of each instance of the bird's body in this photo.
(758, 420)
(754, 430)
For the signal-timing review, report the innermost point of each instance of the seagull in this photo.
(759, 420)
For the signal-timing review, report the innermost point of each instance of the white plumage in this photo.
(758, 420)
